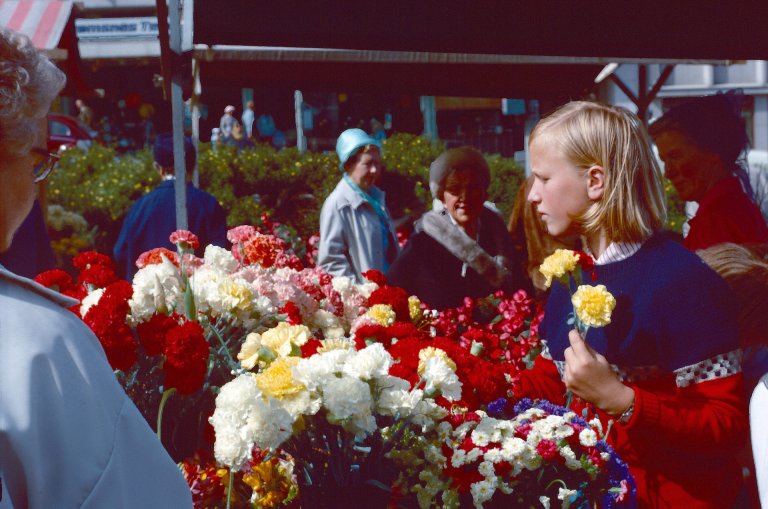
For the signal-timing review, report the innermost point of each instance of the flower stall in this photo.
(276, 385)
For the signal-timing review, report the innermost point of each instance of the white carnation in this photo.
(483, 491)
(567, 496)
(371, 362)
(155, 287)
(440, 377)
(90, 300)
(588, 437)
(346, 397)
(220, 258)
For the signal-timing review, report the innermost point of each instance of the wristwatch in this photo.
(627, 415)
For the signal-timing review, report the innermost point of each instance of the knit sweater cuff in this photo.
(647, 410)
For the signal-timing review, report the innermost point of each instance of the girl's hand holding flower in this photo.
(589, 375)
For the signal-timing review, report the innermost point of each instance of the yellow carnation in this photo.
(558, 264)
(335, 344)
(427, 353)
(593, 305)
(249, 352)
(383, 314)
(282, 338)
(236, 295)
(414, 308)
(277, 380)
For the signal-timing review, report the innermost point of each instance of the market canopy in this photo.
(43, 21)
(522, 49)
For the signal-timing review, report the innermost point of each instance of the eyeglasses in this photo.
(44, 168)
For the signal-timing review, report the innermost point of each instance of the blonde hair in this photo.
(633, 205)
(746, 272)
(28, 84)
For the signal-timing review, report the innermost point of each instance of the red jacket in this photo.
(726, 214)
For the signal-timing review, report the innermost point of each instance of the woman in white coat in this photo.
(356, 231)
(69, 435)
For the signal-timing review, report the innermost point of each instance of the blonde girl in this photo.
(666, 369)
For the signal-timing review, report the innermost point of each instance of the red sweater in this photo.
(726, 214)
(673, 339)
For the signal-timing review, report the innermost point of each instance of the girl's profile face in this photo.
(559, 189)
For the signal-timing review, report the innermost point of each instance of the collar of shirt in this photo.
(615, 252)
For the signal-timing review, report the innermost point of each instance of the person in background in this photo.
(462, 249)
(265, 127)
(700, 142)
(666, 369)
(31, 252)
(356, 232)
(247, 118)
(531, 242)
(152, 219)
(85, 113)
(69, 435)
(745, 269)
(227, 123)
(215, 137)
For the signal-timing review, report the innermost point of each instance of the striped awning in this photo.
(42, 21)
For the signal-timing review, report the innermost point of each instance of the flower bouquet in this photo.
(543, 456)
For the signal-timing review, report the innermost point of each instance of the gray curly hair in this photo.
(28, 84)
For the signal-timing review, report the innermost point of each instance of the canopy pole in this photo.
(177, 108)
(298, 105)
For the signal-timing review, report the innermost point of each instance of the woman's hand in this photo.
(589, 375)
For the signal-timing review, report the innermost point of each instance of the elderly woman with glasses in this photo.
(69, 435)
(462, 248)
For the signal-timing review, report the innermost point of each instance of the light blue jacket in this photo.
(350, 233)
(69, 435)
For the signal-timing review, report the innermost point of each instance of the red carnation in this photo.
(393, 296)
(99, 276)
(152, 333)
(375, 276)
(90, 258)
(155, 256)
(56, 279)
(107, 321)
(186, 357)
(293, 312)
(309, 348)
(548, 450)
(262, 249)
(587, 264)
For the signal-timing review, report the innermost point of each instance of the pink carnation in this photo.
(186, 238)
(240, 234)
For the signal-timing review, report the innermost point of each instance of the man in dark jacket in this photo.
(152, 218)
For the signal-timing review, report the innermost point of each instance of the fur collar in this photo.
(439, 226)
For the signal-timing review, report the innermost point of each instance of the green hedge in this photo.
(289, 186)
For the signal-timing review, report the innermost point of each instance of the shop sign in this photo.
(116, 28)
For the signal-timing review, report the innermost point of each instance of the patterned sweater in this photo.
(673, 339)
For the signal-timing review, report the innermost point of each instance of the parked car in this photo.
(65, 132)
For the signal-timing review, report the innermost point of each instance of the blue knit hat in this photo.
(350, 141)
(164, 151)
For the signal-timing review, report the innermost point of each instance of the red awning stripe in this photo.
(42, 21)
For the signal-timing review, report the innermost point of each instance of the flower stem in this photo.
(166, 394)
(229, 490)
(232, 364)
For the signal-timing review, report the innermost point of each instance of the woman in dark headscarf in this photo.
(461, 248)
